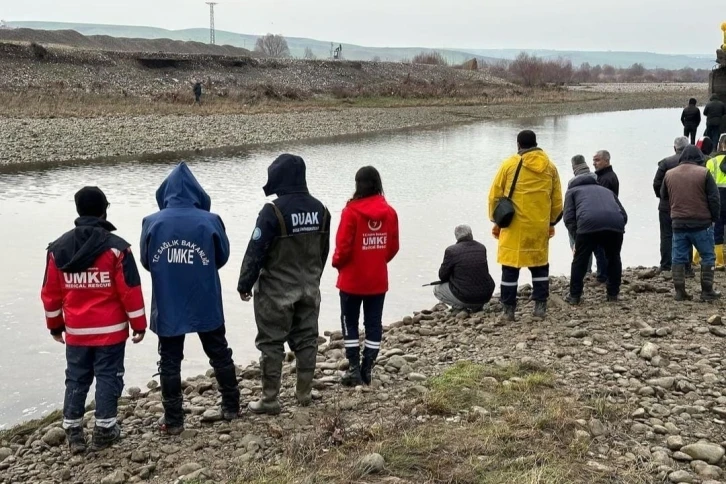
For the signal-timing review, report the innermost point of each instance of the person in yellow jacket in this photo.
(717, 166)
(537, 200)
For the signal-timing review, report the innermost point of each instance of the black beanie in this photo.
(527, 139)
(91, 202)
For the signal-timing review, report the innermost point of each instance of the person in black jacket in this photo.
(715, 111)
(691, 120)
(594, 215)
(197, 92)
(607, 178)
(284, 263)
(466, 283)
(664, 209)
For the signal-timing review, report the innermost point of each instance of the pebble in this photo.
(54, 437)
(705, 451)
(680, 477)
(188, 468)
(371, 464)
(117, 477)
(416, 377)
(5, 452)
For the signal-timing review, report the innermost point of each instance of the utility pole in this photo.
(211, 21)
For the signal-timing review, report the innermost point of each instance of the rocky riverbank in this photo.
(54, 140)
(629, 392)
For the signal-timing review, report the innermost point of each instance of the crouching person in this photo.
(184, 245)
(594, 216)
(692, 194)
(464, 273)
(284, 263)
(92, 293)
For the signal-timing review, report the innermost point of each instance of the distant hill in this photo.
(321, 49)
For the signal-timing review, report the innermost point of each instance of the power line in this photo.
(211, 21)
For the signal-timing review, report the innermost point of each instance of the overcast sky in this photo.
(666, 26)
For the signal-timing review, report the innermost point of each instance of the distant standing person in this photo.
(664, 208)
(695, 205)
(580, 169)
(367, 240)
(607, 178)
(184, 246)
(691, 120)
(92, 293)
(464, 273)
(198, 92)
(714, 111)
(537, 201)
(597, 219)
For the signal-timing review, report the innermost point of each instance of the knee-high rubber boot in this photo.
(369, 361)
(352, 377)
(719, 257)
(171, 398)
(707, 292)
(679, 282)
(271, 376)
(304, 387)
(227, 381)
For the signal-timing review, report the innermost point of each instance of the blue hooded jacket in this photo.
(183, 246)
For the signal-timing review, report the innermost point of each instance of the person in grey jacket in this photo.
(597, 219)
(466, 282)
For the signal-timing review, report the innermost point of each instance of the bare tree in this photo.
(433, 58)
(272, 46)
(528, 69)
(309, 54)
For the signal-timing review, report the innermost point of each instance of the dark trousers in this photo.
(198, 98)
(106, 364)
(510, 282)
(602, 263)
(585, 244)
(690, 132)
(171, 352)
(666, 242)
(372, 322)
(713, 132)
(718, 229)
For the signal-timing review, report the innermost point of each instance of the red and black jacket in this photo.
(92, 288)
(366, 242)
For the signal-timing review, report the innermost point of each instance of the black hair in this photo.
(367, 183)
(692, 101)
(707, 146)
(527, 139)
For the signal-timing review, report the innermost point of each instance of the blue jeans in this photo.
(106, 364)
(702, 240)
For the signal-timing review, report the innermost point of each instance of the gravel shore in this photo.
(54, 141)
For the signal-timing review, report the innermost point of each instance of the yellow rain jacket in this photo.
(537, 202)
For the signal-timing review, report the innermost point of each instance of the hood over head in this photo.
(535, 159)
(373, 208)
(692, 155)
(286, 175)
(79, 249)
(582, 180)
(182, 190)
(714, 97)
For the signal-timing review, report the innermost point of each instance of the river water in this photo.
(435, 179)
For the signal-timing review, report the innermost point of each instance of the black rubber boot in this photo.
(304, 387)
(76, 440)
(679, 282)
(707, 292)
(103, 438)
(572, 300)
(507, 313)
(540, 309)
(227, 382)
(369, 361)
(171, 399)
(271, 375)
(352, 377)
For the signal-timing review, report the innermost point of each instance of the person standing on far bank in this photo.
(366, 242)
(695, 205)
(184, 246)
(691, 120)
(197, 92)
(537, 201)
(664, 208)
(283, 265)
(464, 274)
(92, 293)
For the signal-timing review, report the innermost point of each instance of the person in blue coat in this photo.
(183, 246)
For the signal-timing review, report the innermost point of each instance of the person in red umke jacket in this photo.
(92, 293)
(366, 242)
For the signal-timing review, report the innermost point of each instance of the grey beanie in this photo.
(463, 232)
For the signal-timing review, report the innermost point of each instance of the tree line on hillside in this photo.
(527, 69)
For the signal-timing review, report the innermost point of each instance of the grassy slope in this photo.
(354, 52)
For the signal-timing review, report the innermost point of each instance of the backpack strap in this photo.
(516, 177)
